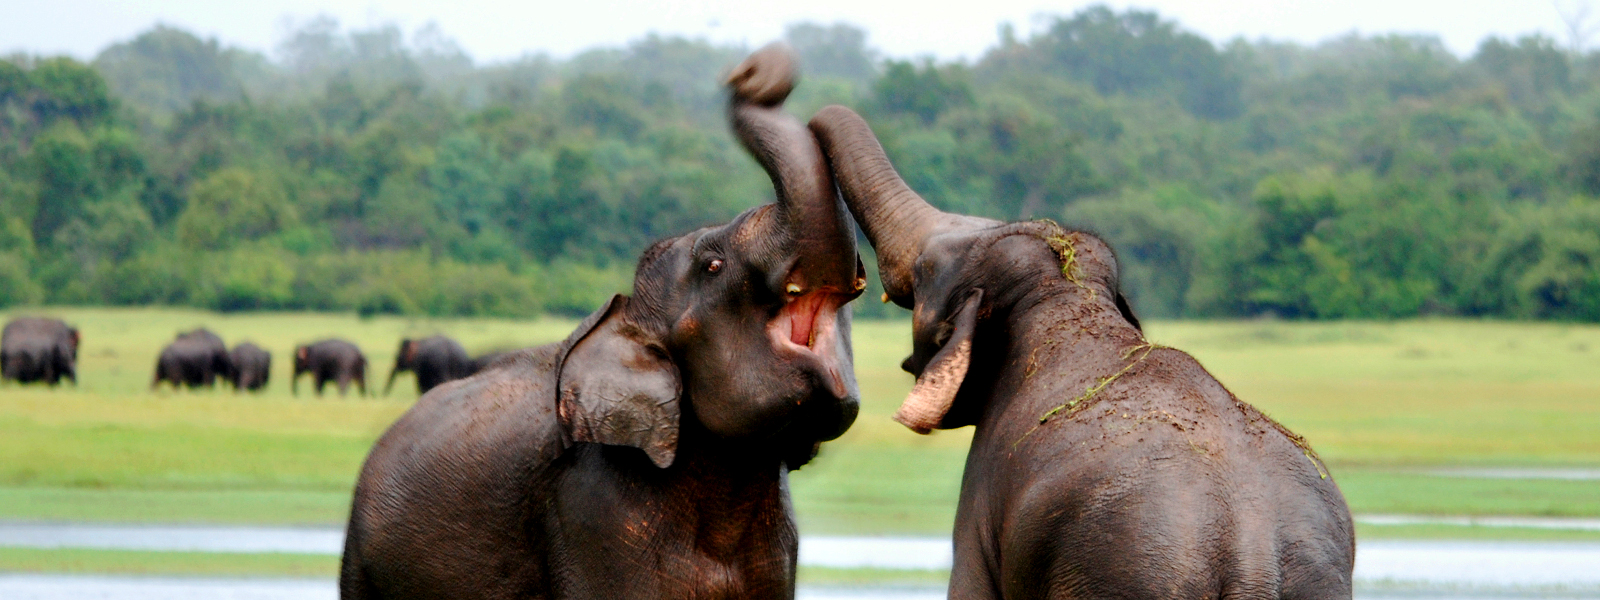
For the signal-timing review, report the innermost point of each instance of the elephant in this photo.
(648, 454)
(435, 360)
(194, 359)
(251, 367)
(332, 359)
(39, 349)
(1102, 465)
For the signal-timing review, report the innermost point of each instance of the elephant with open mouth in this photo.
(647, 455)
(1102, 465)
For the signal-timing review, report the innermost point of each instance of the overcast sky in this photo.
(497, 30)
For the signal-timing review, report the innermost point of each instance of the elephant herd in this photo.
(648, 454)
(35, 349)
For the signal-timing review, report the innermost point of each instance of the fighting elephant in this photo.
(333, 360)
(647, 455)
(435, 360)
(38, 349)
(251, 367)
(1102, 465)
(195, 359)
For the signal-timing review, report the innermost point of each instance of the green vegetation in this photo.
(386, 173)
(214, 564)
(124, 562)
(1382, 402)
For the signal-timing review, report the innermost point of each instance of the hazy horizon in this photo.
(493, 32)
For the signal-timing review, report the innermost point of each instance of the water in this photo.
(173, 538)
(875, 552)
(79, 587)
(1416, 570)
(1558, 523)
(1520, 473)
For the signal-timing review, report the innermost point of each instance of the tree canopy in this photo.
(383, 171)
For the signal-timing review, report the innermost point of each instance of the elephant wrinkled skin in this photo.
(1102, 465)
(646, 456)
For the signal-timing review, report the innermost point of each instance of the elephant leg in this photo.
(321, 381)
(344, 384)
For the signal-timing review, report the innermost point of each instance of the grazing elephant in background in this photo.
(1102, 465)
(37, 349)
(646, 456)
(251, 367)
(435, 360)
(334, 359)
(194, 359)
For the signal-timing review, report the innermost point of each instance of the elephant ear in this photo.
(935, 391)
(615, 387)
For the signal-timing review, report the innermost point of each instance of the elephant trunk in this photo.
(896, 220)
(813, 219)
(392, 372)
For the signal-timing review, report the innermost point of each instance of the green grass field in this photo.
(1383, 402)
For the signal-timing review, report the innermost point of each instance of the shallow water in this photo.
(62, 587)
(81, 587)
(1381, 565)
(173, 538)
(1520, 473)
(1557, 523)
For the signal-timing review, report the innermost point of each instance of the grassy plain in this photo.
(1383, 402)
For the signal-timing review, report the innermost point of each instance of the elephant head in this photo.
(739, 332)
(954, 271)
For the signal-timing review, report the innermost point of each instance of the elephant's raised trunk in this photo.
(824, 244)
(895, 219)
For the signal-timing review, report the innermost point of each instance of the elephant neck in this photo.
(1057, 349)
(738, 496)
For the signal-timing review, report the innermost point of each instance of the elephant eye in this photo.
(714, 266)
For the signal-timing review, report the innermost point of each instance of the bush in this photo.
(16, 287)
(577, 289)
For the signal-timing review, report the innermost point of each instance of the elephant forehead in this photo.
(757, 223)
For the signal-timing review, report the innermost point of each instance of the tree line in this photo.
(387, 172)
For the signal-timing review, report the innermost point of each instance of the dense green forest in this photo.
(386, 172)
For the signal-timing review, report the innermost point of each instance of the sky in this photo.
(492, 31)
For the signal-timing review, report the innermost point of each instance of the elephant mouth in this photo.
(806, 329)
